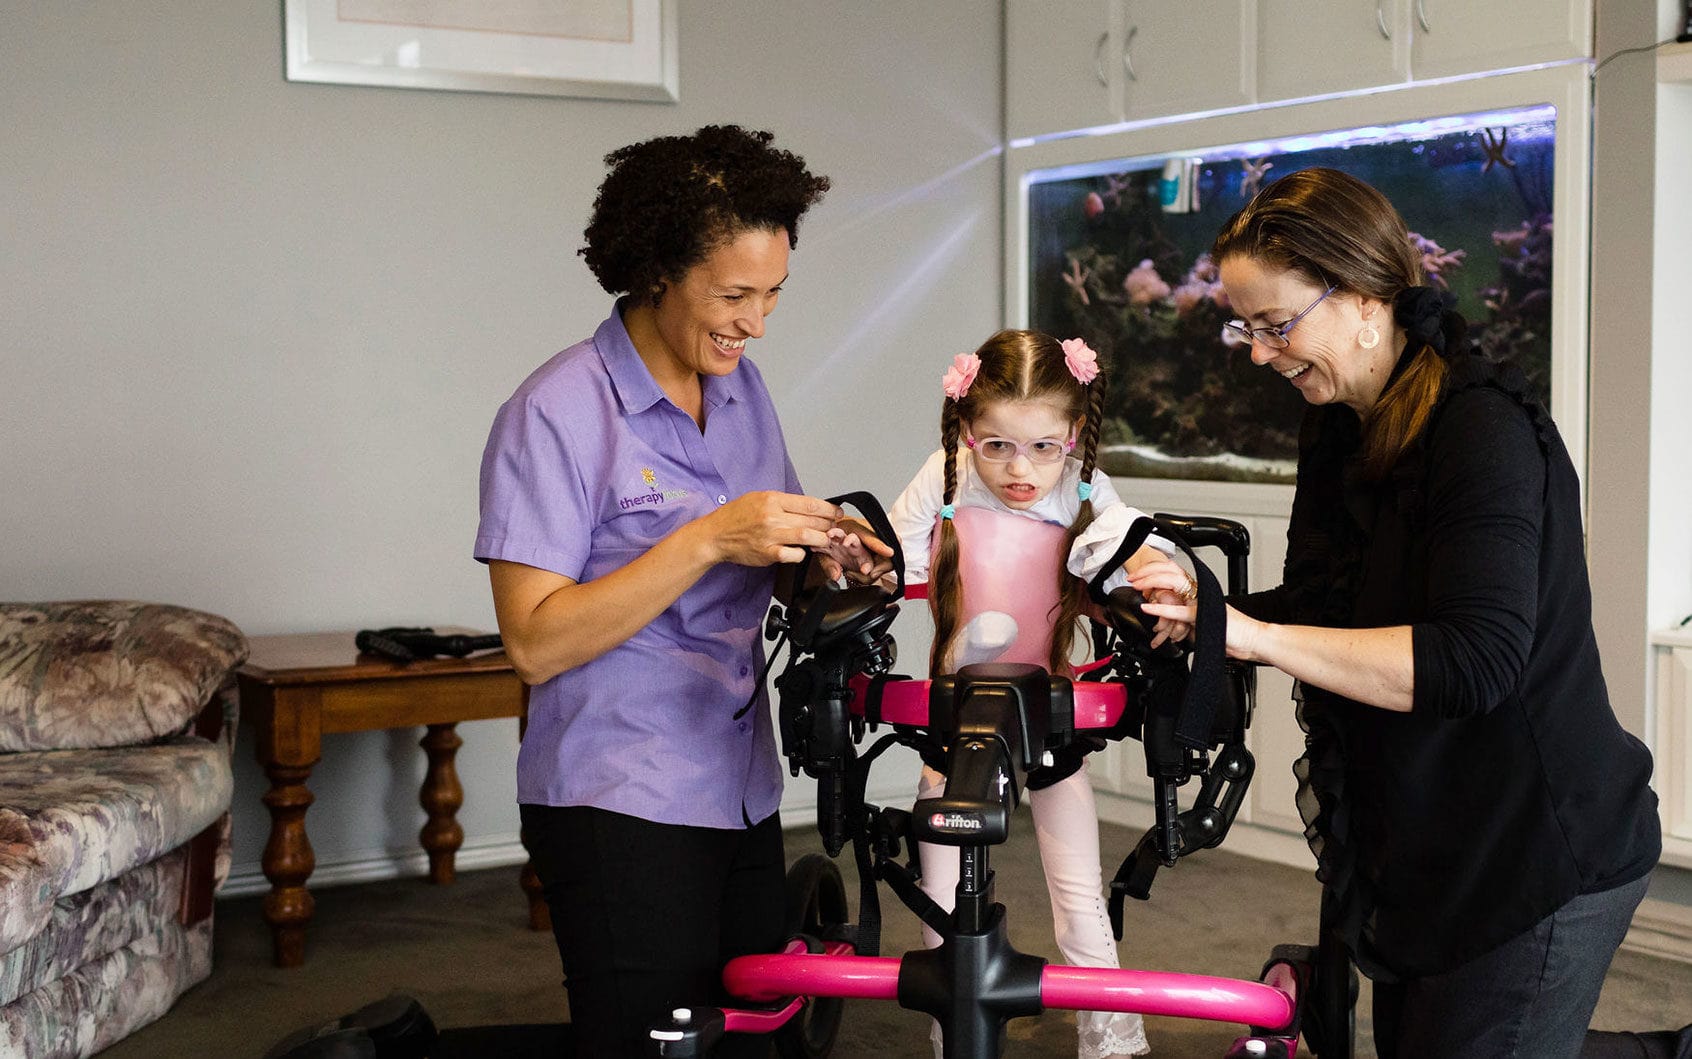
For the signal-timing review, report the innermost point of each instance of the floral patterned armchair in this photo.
(115, 784)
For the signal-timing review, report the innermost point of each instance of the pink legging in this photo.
(1066, 825)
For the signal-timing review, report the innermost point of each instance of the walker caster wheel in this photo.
(816, 907)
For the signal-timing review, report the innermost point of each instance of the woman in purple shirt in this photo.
(635, 492)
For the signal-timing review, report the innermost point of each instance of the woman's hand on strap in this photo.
(1373, 666)
(761, 529)
(1166, 588)
(855, 552)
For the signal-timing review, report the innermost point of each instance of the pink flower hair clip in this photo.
(960, 375)
(1082, 362)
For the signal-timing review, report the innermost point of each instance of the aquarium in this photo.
(1118, 255)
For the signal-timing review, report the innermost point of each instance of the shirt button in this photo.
(745, 670)
(728, 612)
(721, 499)
(741, 726)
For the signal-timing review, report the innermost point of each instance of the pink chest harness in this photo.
(1010, 565)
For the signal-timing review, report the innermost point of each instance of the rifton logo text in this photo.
(954, 822)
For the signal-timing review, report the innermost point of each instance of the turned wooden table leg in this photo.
(441, 796)
(288, 862)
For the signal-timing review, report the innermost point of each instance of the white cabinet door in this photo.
(1060, 67)
(1316, 47)
(1182, 58)
(1459, 36)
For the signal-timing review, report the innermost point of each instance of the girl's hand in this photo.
(1167, 589)
(854, 551)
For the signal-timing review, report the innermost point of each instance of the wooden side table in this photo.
(295, 689)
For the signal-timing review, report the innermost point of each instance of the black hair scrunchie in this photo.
(1421, 312)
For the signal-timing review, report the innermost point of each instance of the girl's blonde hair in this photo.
(1015, 366)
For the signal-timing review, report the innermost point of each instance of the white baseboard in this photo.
(491, 851)
(1661, 928)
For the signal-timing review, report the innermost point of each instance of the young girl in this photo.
(1005, 524)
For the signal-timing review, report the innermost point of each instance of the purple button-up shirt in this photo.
(588, 465)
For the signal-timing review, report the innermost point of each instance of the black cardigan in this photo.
(1509, 787)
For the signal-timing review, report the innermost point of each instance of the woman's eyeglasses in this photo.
(1004, 450)
(1273, 337)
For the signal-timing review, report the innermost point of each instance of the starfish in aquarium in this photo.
(1251, 175)
(1494, 146)
(1077, 277)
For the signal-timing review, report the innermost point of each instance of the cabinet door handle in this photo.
(1380, 19)
(1127, 57)
(1098, 59)
(1422, 15)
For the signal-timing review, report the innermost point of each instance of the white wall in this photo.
(252, 333)
(1670, 589)
(1618, 458)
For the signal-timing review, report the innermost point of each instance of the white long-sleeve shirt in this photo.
(914, 513)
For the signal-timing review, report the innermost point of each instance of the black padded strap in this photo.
(1205, 687)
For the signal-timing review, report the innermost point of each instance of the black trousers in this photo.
(1530, 997)
(646, 914)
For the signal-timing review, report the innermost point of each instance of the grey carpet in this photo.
(465, 951)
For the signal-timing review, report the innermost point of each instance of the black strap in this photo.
(903, 883)
(1133, 877)
(1136, 536)
(758, 684)
(1205, 687)
(867, 934)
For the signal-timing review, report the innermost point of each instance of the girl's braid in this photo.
(945, 580)
(1072, 592)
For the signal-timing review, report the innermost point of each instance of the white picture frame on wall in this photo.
(599, 49)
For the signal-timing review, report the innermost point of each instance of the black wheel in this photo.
(816, 907)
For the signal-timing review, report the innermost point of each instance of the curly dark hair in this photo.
(670, 201)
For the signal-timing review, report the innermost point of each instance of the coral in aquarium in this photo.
(1179, 390)
(1518, 305)
(1110, 264)
(1436, 260)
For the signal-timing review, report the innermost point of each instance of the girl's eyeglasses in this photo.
(1273, 337)
(1004, 450)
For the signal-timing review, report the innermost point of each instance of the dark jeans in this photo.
(646, 914)
(1531, 997)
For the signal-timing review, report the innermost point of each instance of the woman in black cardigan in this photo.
(1482, 823)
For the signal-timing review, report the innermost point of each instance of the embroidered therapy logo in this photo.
(653, 494)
